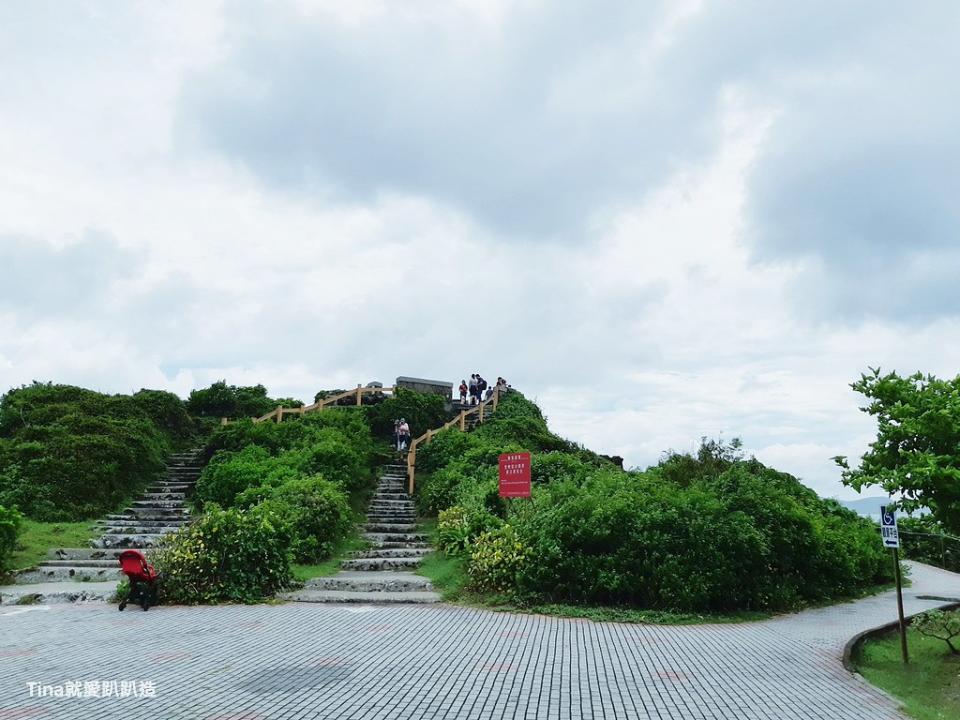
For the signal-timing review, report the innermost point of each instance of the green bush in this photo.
(316, 514)
(422, 412)
(250, 458)
(712, 531)
(498, 558)
(68, 454)
(221, 400)
(923, 539)
(229, 474)
(10, 524)
(225, 556)
(459, 527)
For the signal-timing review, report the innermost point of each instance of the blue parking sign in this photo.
(888, 527)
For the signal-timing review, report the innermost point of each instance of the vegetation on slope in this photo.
(68, 454)
(271, 495)
(705, 533)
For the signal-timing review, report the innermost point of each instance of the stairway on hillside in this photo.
(161, 509)
(384, 572)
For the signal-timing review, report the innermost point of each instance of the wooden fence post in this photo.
(463, 421)
(411, 466)
(279, 414)
(359, 396)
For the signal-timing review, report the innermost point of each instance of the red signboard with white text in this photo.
(515, 475)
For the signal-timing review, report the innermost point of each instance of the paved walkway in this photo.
(391, 661)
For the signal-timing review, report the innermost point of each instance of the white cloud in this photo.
(592, 234)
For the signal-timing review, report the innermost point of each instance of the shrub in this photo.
(498, 557)
(68, 454)
(335, 443)
(10, 524)
(923, 539)
(453, 530)
(316, 513)
(422, 412)
(941, 625)
(225, 556)
(458, 527)
(712, 531)
(437, 491)
(80, 466)
(229, 474)
(222, 400)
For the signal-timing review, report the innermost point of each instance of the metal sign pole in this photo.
(890, 536)
(903, 624)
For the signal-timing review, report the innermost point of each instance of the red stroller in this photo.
(143, 579)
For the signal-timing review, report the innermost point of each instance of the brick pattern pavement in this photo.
(300, 661)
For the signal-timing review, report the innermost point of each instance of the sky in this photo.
(660, 220)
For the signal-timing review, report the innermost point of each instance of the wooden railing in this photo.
(277, 414)
(461, 420)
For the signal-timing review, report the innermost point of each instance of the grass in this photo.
(928, 687)
(349, 544)
(447, 575)
(37, 538)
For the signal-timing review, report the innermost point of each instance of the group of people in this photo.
(478, 389)
(401, 434)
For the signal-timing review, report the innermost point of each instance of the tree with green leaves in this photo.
(917, 451)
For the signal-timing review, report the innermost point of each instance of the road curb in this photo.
(853, 645)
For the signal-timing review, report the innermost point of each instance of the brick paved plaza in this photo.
(334, 661)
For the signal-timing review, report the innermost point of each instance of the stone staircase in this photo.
(161, 509)
(385, 571)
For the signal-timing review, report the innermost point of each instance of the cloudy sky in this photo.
(661, 220)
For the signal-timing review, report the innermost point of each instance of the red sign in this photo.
(515, 475)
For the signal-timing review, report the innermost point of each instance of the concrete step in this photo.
(391, 519)
(83, 554)
(347, 596)
(162, 496)
(141, 541)
(389, 528)
(58, 592)
(388, 545)
(371, 581)
(381, 564)
(392, 553)
(151, 513)
(140, 530)
(377, 538)
(173, 488)
(138, 522)
(144, 519)
(67, 573)
(159, 504)
(112, 563)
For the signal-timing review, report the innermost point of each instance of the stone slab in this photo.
(58, 592)
(371, 598)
